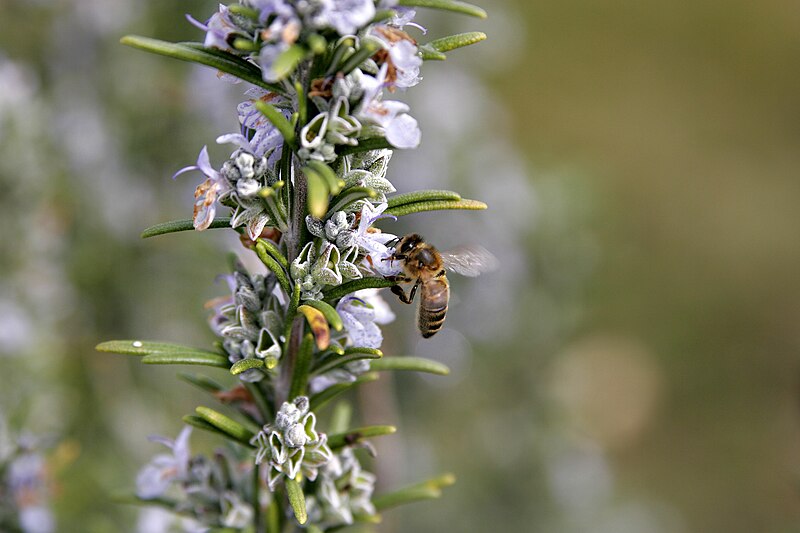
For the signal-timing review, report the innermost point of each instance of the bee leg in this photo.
(398, 290)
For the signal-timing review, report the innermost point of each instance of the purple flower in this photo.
(266, 60)
(359, 319)
(400, 54)
(345, 16)
(400, 128)
(219, 29)
(207, 192)
(373, 243)
(280, 9)
(155, 478)
(267, 139)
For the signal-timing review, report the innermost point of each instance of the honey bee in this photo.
(423, 265)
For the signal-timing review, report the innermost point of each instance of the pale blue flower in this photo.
(156, 477)
(400, 128)
(267, 140)
(374, 243)
(266, 60)
(36, 519)
(292, 444)
(208, 192)
(358, 318)
(236, 513)
(343, 490)
(220, 29)
(345, 16)
(403, 58)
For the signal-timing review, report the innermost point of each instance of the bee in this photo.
(425, 266)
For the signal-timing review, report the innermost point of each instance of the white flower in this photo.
(344, 489)
(401, 56)
(207, 192)
(266, 140)
(400, 128)
(358, 318)
(266, 60)
(383, 313)
(155, 478)
(345, 16)
(373, 243)
(219, 29)
(236, 513)
(36, 519)
(292, 445)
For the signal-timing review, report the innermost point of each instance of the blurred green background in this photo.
(632, 368)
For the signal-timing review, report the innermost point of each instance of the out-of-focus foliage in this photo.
(646, 373)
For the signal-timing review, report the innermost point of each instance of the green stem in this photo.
(298, 210)
(293, 344)
(257, 518)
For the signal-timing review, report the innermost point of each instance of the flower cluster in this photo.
(306, 188)
(249, 320)
(346, 97)
(292, 444)
(25, 487)
(209, 491)
(343, 490)
(243, 184)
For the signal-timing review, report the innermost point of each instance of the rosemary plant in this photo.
(304, 189)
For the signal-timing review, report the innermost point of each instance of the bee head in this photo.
(408, 243)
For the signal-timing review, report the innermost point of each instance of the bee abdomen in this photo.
(432, 325)
(433, 307)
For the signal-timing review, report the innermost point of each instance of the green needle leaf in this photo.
(136, 347)
(367, 49)
(318, 324)
(188, 358)
(328, 312)
(422, 196)
(274, 266)
(225, 424)
(451, 42)
(196, 53)
(348, 196)
(277, 119)
(435, 205)
(287, 62)
(248, 12)
(199, 423)
(246, 364)
(350, 355)
(429, 53)
(427, 490)
(354, 436)
(320, 399)
(202, 382)
(365, 145)
(410, 364)
(335, 184)
(356, 285)
(273, 251)
(296, 499)
(447, 5)
(317, 193)
(187, 224)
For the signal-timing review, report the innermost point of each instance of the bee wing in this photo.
(469, 260)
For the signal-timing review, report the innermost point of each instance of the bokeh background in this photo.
(633, 367)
